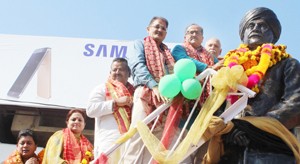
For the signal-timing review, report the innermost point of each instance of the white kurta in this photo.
(106, 127)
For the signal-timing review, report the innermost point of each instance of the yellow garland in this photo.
(258, 61)
(87, 157)
(15, 158)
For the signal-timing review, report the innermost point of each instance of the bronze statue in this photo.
(275, 76)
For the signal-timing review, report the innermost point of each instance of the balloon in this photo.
(185, 69)
(169, 86)
(191, 89)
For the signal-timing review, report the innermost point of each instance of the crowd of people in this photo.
(262, 135)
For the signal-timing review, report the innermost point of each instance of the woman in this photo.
(69, 145)
(26, 146)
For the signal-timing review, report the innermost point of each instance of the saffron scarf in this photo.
(15, 158)
(267, 124)
(199, 54)
(160, 62)
(203, 56)
(72, 149)
(114, 90)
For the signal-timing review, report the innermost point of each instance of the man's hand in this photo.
(159, 96)
(218, 65)
(32, 160)
(123, 101)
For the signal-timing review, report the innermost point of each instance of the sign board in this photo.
(54, 71)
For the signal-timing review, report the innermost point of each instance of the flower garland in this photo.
(256, 62)
(41, 154)
(87, 158)
(15, 158)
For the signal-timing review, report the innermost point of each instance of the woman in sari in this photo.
(69, 145)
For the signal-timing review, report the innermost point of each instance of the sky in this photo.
(127, 20)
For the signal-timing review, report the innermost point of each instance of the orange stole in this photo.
(114, 90)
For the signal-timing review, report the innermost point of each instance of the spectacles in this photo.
(193, 32)
(159, 27)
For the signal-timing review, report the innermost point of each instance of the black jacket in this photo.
(279, 95)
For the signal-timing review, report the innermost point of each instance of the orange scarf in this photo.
(72, 150)
(159, 62)
(203, 56)
(15, 158)
(114, 90)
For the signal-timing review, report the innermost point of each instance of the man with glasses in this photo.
(149, 59)
(192, 49)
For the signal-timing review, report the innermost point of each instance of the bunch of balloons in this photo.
(182, 80)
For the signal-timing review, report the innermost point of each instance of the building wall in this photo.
(43, 121)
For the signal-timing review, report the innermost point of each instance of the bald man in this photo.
(213, 46)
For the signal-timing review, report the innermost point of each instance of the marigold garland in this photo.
(256, 62)
(87, 158)
(15, 158)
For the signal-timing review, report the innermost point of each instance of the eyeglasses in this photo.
(159, 27)
(193, 32)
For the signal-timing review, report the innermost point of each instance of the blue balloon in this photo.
(169, 86)
(185, 69)
(191, 89)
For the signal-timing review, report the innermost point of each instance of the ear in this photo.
(148, 28)
(220, 51)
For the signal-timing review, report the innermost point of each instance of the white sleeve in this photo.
(97, 104)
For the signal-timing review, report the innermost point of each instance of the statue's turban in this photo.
(261, 13)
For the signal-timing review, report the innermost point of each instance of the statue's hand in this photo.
(237, 137)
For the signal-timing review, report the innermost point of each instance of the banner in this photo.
(54, 71)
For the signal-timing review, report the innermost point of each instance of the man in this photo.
(192, 49)
(149, 60)
(213, 46)
(26, 146)
(275, 76)
(110, 104)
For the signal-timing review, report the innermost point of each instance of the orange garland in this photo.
(256, 62)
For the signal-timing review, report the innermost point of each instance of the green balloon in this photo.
(191, 89)
(185, 69)
(169, 86)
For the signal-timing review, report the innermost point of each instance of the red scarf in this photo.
(160, 62)
(203, 56)
(114, 90)
(71, 148)
(199, 54)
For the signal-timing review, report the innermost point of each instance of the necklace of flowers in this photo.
(256, 62)
(16, 158)
(87, 158)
